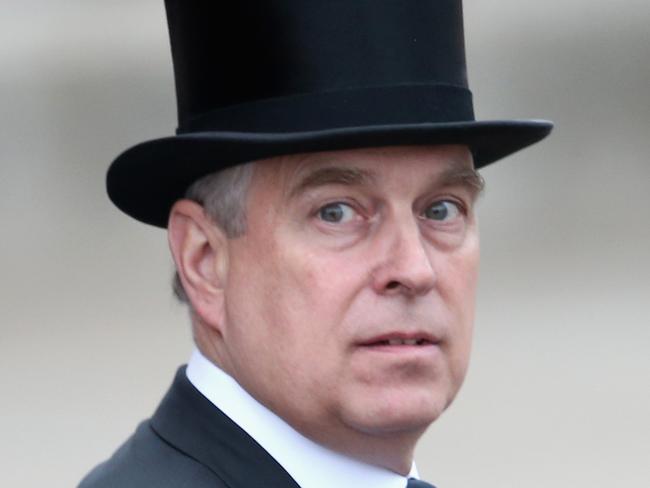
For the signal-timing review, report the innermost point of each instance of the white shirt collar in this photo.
(309, 463)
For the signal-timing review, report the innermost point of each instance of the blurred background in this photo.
(558, 392)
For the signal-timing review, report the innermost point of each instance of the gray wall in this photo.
(558, 392)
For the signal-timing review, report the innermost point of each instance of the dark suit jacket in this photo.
(189, 443)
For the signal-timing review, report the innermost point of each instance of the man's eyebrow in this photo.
(335, 175)
(332, 175)
(466, 177)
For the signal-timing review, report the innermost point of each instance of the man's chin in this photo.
(392, 418)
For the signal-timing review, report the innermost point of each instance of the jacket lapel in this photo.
(191, 423)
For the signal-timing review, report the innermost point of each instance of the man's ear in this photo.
(199, 248)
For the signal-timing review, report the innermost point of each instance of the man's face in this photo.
(350, 299)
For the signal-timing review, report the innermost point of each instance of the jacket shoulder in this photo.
(145, 460)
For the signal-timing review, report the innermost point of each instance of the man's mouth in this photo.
(397, 339)
(400, 342)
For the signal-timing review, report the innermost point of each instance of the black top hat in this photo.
(260, 78)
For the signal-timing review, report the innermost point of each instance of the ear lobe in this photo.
(200, 253)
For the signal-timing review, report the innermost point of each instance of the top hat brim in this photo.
(146, 180)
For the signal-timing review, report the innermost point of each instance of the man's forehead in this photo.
(441, 155)
(366, 165)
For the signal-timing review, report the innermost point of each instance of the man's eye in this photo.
(442, 211)
(336, 213)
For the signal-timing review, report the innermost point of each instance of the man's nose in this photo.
(405, 265)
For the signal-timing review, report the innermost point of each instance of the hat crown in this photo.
(232, 55)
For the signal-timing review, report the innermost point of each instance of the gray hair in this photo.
(223, 197)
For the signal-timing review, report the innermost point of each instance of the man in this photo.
(319, 199)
